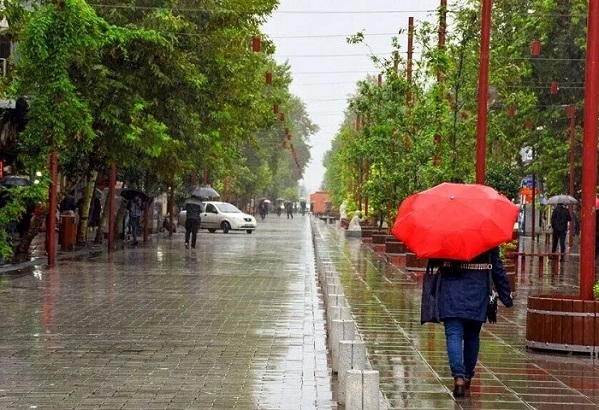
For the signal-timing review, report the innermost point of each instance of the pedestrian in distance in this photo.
(559, 226)
(136, 210)
(263, 208)
(463, 298)
(289, 210)
(194, 208)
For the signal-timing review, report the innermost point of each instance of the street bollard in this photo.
(337, 313)
(335, 299)
(352, 356)
(340, 330)
(333, 289)
(362, 390)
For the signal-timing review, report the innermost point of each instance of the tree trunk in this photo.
(100, 229)
(85, 207)
(21, 247)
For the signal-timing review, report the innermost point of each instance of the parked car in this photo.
(222, 216)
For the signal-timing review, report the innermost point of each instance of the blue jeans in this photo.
(463, 341)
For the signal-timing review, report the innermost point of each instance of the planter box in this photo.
(397, 259)
(395, 247)
(413, 263)
(562, 323)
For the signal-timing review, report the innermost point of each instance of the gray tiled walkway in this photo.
(411, 357)
(236, 323)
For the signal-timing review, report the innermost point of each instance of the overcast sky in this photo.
(311, 35)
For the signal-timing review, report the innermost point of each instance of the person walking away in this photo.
(193, 208)
(289, 210)
(462, 300)
(559, 226)
(135, 213)
(262, 207)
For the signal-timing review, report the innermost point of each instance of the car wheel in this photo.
(225, 226)
(211, 230)
(249, 231)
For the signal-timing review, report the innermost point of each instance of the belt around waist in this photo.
(471, 266)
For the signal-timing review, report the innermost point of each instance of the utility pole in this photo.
(483, 91)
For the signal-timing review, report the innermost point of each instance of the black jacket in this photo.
(194, 208)
(560, 219)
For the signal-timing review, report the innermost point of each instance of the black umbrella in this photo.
(205, 192)
(129, 194)
(14, 180)
(194, 201)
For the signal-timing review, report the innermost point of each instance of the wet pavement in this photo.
(411, 357)
(239, 323)
(236, 323)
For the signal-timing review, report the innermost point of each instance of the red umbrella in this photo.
(455, 221)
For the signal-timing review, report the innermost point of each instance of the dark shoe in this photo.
(186, 246)
(459, 387)
(467, 383)
(135, 243)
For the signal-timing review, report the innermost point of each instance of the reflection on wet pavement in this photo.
(237, 323)
(411, 359)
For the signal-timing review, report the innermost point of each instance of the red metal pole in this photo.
(533, 221)
(572, 114)
(442, 32)
(483, 91)
(589, 156)
(440, 74)
(171, 209)
(111, 215)
(52, 203)
(410, 58)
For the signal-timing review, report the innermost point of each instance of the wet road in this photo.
(236, 323)
(411, 358)
(239, 323)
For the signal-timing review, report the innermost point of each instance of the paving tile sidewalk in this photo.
(236, 323)
(411, 358)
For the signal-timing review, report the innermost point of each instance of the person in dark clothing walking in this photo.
(559, 225)
(193, 207)
(462, 308)
(136, 210)
(289, 209)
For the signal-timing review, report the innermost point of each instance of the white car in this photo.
(223, 216)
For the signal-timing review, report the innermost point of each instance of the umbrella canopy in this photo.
(266, 201)
(129, 194)
(562, 199)
(194, 201)
(455, 221)
(205, 192)
(14, 180)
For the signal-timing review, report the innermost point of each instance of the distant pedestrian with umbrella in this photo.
(194, 208)
(136, 210)
(289, 209)
(559, 227)
(459, 227)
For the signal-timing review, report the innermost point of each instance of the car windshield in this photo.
(228, 208)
